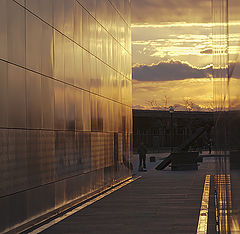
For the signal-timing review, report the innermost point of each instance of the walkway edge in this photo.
(203, 216)
(58, 218)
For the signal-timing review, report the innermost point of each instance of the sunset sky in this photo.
(172, 54)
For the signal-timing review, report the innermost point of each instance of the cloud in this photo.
(191, 11)
(234, 70)
(207, 51)
(170, 70)
(141, 107)
(194, 94)
(178, 41)
(157, 11)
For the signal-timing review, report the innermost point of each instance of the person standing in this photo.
(142, 151)
(210, 146)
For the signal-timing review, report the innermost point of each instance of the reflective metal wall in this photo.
(226, 79)
(226, 69)
(65, 102)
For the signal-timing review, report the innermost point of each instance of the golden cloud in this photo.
(196, 92)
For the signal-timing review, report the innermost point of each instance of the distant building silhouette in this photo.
(154, 128)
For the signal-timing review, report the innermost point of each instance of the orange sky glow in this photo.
(172, 54)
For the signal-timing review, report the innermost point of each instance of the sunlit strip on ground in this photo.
(57, 220)
(221, 203)
(225, 218)
(203, 216)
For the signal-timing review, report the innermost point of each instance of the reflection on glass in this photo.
(226, 48)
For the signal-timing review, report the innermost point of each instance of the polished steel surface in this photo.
(65, 102)
(226, 73)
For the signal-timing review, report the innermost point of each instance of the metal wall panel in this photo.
(47, 101)
(65, 103)
(34, 100)
(16, 36)
(16, 97)
(4, 28)
(226, 73)
(3, 93)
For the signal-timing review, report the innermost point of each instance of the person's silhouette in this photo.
(142, 150)
(210, 146)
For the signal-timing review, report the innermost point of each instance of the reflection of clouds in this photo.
(234, 91)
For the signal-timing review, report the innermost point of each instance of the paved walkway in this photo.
(159, 202)
(149, 165)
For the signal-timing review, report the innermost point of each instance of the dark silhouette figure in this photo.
(142, 150)
(210, 146)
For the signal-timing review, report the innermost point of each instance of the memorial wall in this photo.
(65, 103)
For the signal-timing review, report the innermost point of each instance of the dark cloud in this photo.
(171, 70)
(159, 11)
(208, 51)
(234, 70)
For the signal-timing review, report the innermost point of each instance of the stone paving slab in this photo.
(160, 202)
